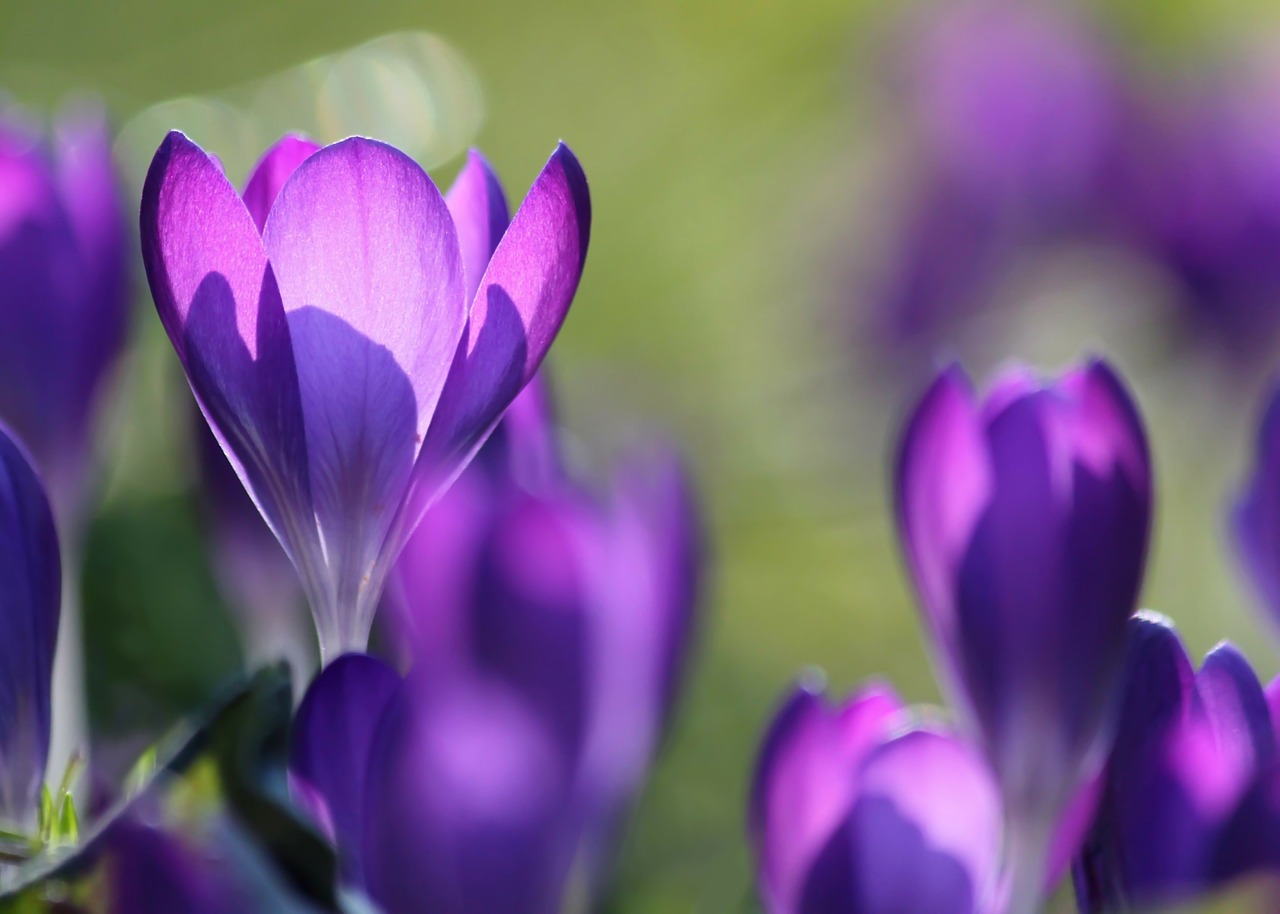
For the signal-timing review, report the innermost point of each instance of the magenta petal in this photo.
(518, 309)
(805, 780)
(331, 745)
(218, 299)
(371, 279)
(480, 214)
(272, 170)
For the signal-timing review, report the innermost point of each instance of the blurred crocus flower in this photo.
(64, 269)
(1024, 517)
(862, 809)
(522, 597)
(1013, 113)
(1192, 795)
(439, 795)
(326, 326)
(1255, 516)
(1201, 199)
(30, 591)
(1016, 102)
(254, 573)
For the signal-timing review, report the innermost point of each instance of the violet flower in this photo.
(861, 809)
(1192, 796)
(1024, 518)
(332, 345)
(1201, 198)
(439, 794)
(64, 269)
(523, 597)
(30, 592)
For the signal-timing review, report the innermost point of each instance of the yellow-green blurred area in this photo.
(733, 150)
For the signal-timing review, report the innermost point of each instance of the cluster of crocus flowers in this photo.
(352, 336)
(1029, 132)
(543, 631)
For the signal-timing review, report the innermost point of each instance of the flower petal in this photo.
(371, 279)
(271, 173)
(923, 834)
(331, 744)
(217, 298)
(518, 309)
(467, 805)
(480, 214)
(1255, 516)
(30, 594)
(804, 782)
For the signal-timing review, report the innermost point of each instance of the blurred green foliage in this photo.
(727, 145)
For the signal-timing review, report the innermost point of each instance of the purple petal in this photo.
(942, 484)
(467, 801)
(217, 298)
(30, 594)
(271, 173)
(923, 834)
(154, 872)
(371, 278)
(518, 309)
(480, 214)
(805, 782)
(332, 743)
(1234, 701)
(1255, 516)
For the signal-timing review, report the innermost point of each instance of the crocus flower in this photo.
(519, 583)
(30, 591)
(326, 328)
(1201, 199)
(440, 794)
(64, 270)
(1255, 516)
(861, 809)
(1016, 101)
(1191, 796)
(1024, 518)
(585, 608)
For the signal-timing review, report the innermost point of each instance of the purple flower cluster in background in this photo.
(1026, 128)
(1085, 740)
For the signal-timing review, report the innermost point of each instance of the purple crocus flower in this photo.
(1016, 101)
(332, 345)
(1024, 518)
(64, 311)
(439, 794)
(1201, 198)
(520, 588)
(30, 592)
(1191, 795)
(585, 608)
(860, 809)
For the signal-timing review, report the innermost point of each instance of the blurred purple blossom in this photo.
(1024, 516)
(542, 624)
(862, 809)
(64, 269)
(1192, 797)
(341, 346)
